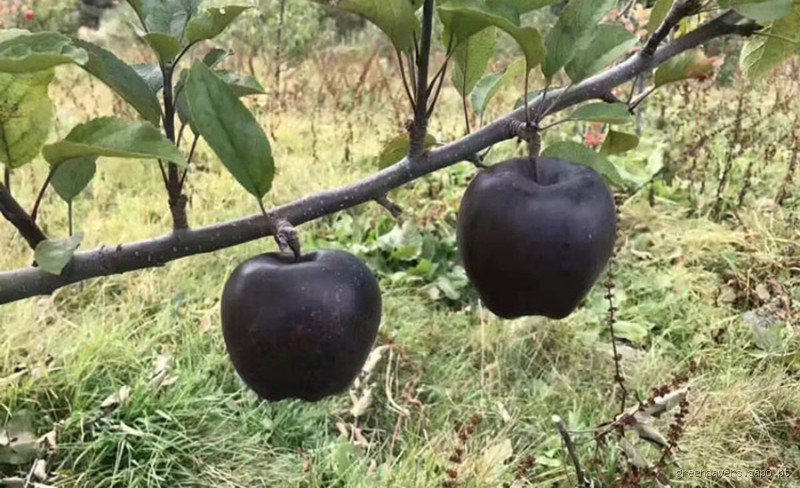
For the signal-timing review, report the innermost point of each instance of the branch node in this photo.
(389, 205)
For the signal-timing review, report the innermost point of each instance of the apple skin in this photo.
(536, 248)
(300, 329)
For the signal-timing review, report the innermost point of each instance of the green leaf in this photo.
(397, 148)
(152, 76)
(53, 255)
(761, 54)
(240, 85)
(658, 14)
(618, 143)
(573, 32)
(608, 113)
(137, 7)
(25, 53)
(26, 113)
(123, 79)
(488, 87)
(211, 22)
(761, 10)
(471, 58)
(525, 6)
(116, 138)
(169, 16)
(215, 56)
(578, 153)
(165, 46)
(465, 18)
(230, 129)
(689, 64)
(72, 176)
(396, 18)
(609, 43)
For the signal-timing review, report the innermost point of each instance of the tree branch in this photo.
(419, 128)
(14, 213)
(28, 282)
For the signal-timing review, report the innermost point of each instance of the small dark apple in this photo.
(535, 246)
(300, 328)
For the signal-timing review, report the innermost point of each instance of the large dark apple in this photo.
(536, 246)
(300, 328)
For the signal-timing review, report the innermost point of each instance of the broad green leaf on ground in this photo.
(6, 34)
(689, 64)
(658, 14)
(609, 113)
(465, 18)
(573, 32)
(73, 175)
(397, 148)
(151, 74)
(761, 10)
(396, 18)
(166, 46)
(618, 143)
(578, 153)
(488, 87)
(211, 22)
(471, 58)
(116, 138)
(609, 43)
(761, 54)
(26, 113)
(123, 79)
(26, 53)
(230, 129)
(53, 255)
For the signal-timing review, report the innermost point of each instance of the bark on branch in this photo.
(105, 261)
(17, 215)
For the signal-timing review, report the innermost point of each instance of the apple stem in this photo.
(283, 231)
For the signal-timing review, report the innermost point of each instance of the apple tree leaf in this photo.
(211, 22)
(689, 64)
(166, 46)
(488, 87)
(124, 80)
(396, 18)
(658, 14)
(618, 143)
(608, 113)
(397, 148)
(72, 176)
(230, 129)
(608, 44)
(471, 58)
(26, 113)
(465, 18)
(53, 255)
(761, 54)
(113, 137)
(761, 10)
(26, 52)
(574, 30)
(578, 153)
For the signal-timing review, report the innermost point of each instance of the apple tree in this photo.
(534, 232)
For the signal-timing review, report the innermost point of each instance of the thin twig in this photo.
(35, 211)
(562, 430)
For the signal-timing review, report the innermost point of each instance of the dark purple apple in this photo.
(300, 328)
(535, 246)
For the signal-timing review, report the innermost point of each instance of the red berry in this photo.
(30, 15)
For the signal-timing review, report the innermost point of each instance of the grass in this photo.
(683, 285)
